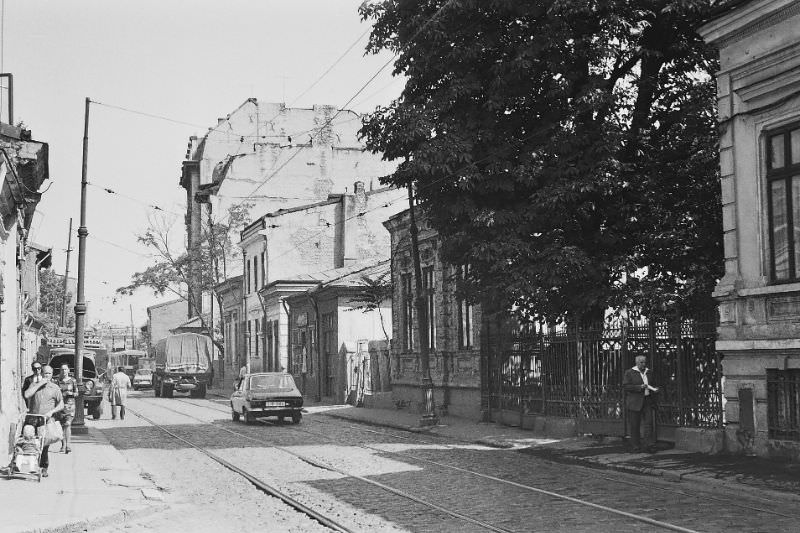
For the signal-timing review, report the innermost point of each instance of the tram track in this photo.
(414, 437)
(273, 491)
(406, 456)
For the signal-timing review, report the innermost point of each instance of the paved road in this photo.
(205, 497)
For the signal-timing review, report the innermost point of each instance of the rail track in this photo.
(415, 437)
(407, 456)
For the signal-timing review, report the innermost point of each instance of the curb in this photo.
(120, 517)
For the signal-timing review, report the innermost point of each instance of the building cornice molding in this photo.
(747, 20)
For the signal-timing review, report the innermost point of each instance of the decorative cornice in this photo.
(739, 23)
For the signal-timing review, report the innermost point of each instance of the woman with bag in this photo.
(44, 398)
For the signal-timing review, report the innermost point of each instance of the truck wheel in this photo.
(249, 418)
(234, 414)
(166, 391)
(296, 417)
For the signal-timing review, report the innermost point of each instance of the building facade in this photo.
(229, 294)
(453, 326)
(264, 157)
(163, 317)
(338, 348)
(23, 169)
(758, 91)
(282, 247)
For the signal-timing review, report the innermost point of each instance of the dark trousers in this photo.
(641, 418)
(121, 411)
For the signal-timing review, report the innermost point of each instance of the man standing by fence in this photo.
(640, 403)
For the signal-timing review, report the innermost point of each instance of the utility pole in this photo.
(78, 425)
(66, 278)
(429, 417)
(133, 332)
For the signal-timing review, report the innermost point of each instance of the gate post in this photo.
(679, 370)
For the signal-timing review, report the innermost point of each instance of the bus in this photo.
(127, 359)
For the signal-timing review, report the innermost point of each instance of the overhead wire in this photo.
(131, 198)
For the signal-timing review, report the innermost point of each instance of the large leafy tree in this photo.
(565, 149)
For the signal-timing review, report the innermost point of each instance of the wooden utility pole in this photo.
(78, 425)
(133, 332)
(429, 417)
(63, 323)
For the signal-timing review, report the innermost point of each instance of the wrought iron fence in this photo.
(578, 373)
(783, 404)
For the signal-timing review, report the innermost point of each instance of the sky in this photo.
(186, 61)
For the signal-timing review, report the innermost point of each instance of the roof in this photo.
(346, 277)
(166, 303)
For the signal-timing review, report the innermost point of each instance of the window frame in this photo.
(466, 324)
(784, 174)
(429, 290)
(407, 298)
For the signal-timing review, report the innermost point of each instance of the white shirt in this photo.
(644, 379)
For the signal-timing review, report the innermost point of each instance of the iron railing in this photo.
(577, 373)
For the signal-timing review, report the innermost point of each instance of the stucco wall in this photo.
(164, 317)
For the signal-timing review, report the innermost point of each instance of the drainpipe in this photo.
(313, 300)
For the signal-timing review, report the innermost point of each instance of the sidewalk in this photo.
(780, 479)
(90, 487)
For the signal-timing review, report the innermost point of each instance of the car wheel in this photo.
(234, 414)
(296, 418)
(249, 418)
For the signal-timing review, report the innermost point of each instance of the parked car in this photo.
(267, 394)
(143, 379)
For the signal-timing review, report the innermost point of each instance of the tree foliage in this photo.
(185, 272)
(564, 149)
(51, 299)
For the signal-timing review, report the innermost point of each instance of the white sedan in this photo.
(267, 394)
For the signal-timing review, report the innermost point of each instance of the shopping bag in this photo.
(51, 432)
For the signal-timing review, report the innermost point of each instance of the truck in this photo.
(92, 386)
(183, 364)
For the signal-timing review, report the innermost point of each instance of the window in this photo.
(408, 312)
(429, 289)
(783, 192)
(465, 335)
(263, 268)
(783, 404)
(249, 338)
(255, 272)
(247, 276)
(257, 335)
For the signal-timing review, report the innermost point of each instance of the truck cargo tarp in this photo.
(184, 352)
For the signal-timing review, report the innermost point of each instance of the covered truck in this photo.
(183, 364)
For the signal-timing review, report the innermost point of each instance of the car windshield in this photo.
(275, 383)
(143, 372)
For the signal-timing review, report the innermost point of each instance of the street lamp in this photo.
(79, 425)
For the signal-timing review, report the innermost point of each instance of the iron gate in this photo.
(570, 373)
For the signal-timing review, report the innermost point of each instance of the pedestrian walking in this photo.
(35, 377)
(44, 398)
(69, 391)
(641, 403)
(118, 392)
(242, 374)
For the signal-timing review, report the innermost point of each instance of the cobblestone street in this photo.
(388, 480)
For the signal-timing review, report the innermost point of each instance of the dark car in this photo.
(267, 394)
(92, 387)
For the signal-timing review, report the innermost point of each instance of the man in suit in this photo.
(640, 403)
